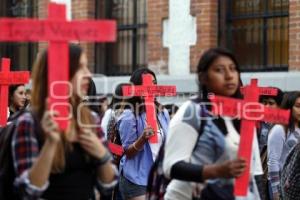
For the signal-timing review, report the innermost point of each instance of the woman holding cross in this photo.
(49, 163)
(201, 146)
(134, 133)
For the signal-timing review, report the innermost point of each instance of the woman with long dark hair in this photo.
(201, 146)
(135, 132)
(17, 98)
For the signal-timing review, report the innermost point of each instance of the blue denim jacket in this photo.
(136, 169)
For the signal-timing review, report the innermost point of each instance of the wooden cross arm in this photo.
(20, 77)
(57, 30)
(116, 149)
(224, 105)
(149, 90)
(264, 91)
(276, 116)
(248, 110)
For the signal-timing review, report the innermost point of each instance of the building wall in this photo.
(206, 13)
(294, 35)
(157, 54)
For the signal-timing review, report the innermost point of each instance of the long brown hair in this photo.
(39, 96)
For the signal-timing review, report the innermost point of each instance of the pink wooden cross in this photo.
(58, 32)
(149, 91)
(249, 111)
(8, 78)
(115, 148)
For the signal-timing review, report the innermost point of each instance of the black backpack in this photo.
(114, 140)
(7, 172)
(157, 182)
(290, 176)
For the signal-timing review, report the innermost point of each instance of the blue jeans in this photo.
(270, 190)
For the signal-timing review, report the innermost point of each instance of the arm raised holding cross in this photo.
(50, 153)
(142, 128)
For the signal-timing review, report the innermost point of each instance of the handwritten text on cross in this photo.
(58, 32)
(149, 91)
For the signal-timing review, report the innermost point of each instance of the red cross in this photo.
(115, 148)
(8, 78)
(149, 91)
(249, 111)
(58, 32)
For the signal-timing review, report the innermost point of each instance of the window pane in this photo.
(246, 7)
(142, 47)
(247, 42)
(21, 54)
(124, 58)
(20, 8)
(142, 12)
(257, 33)
(278, 41)
(129, 51)
(275, 6)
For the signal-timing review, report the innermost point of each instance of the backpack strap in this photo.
(114, 148)
(202, 115)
